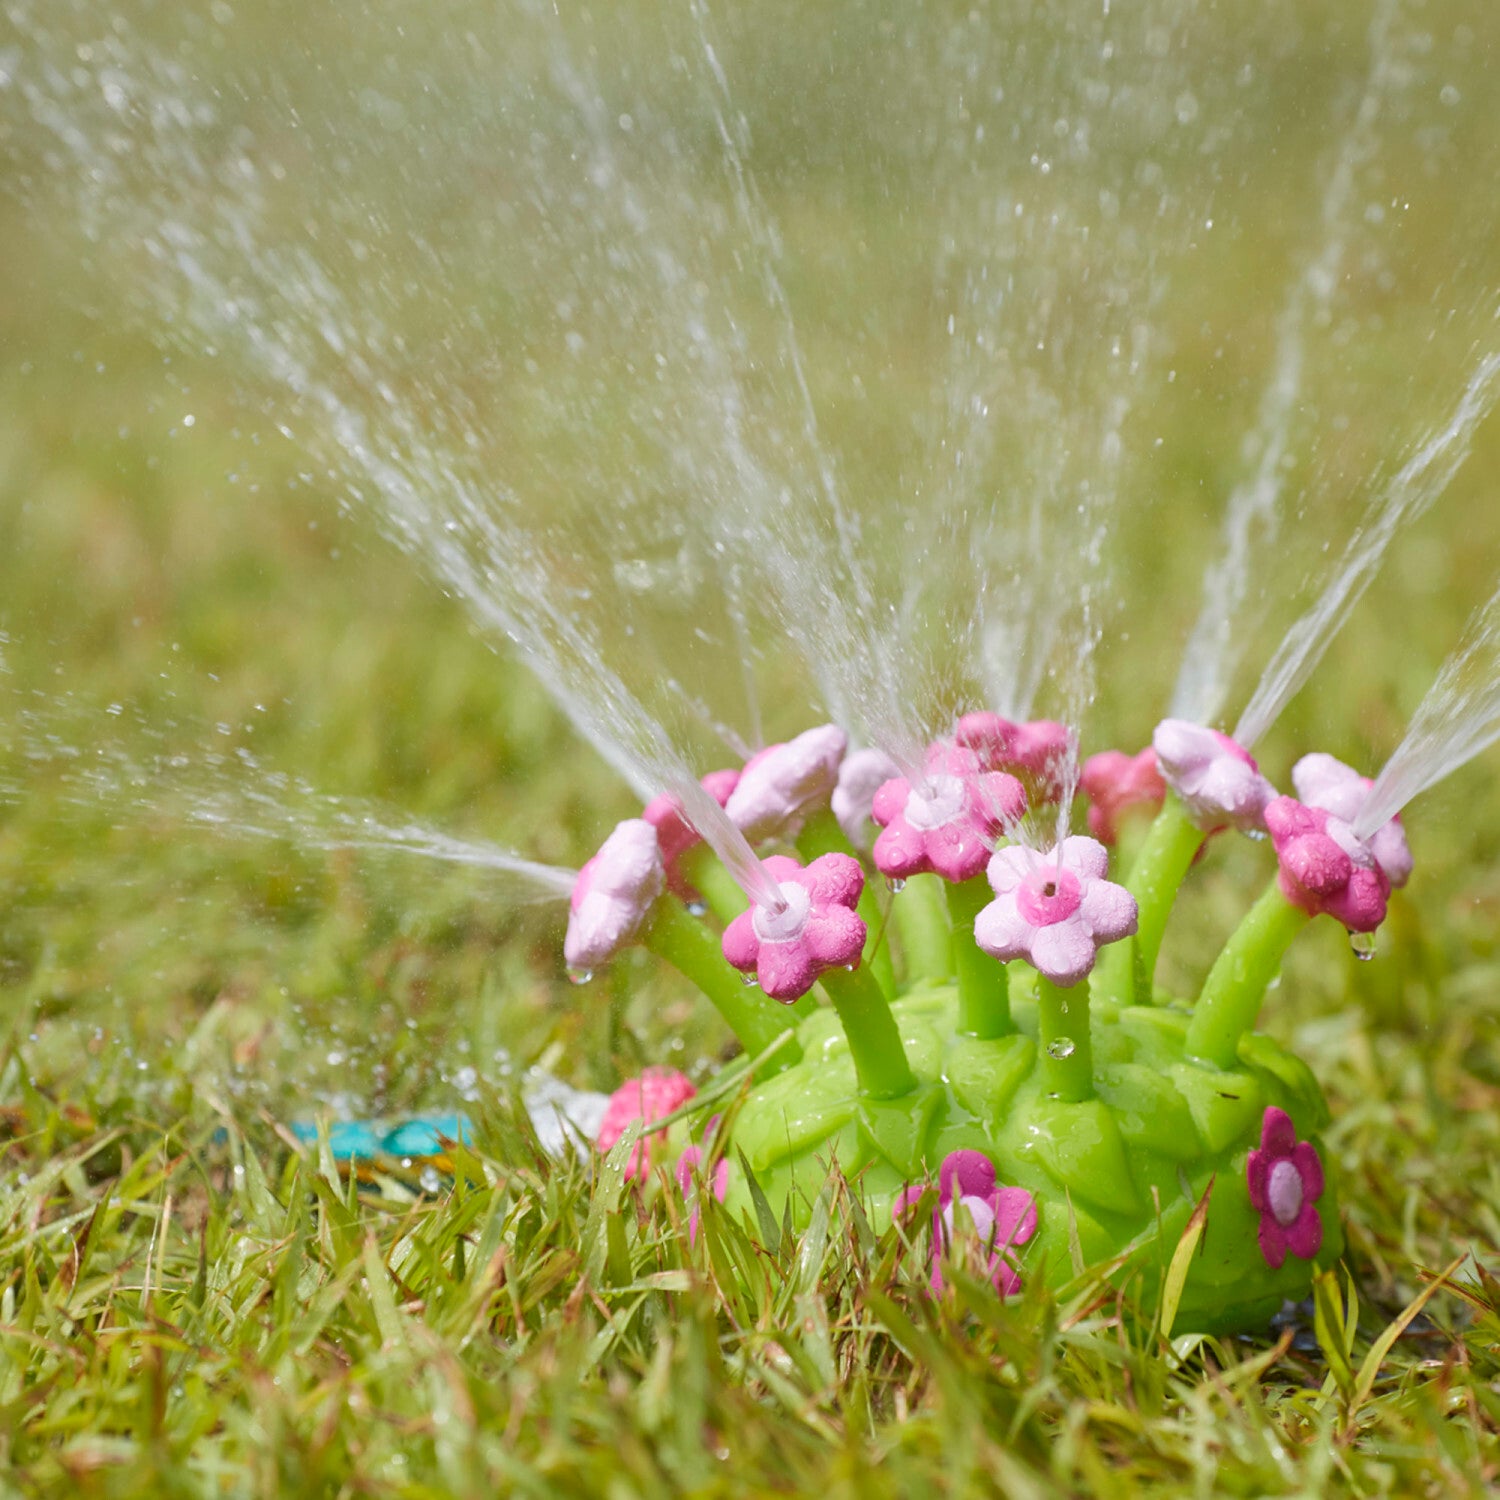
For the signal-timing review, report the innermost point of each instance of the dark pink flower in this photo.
(1115, 783)
(1322, 781)
(1285, 1179)
(613, 895)
(1216, 780)
(652, 1096)
(1036, 752)
(1323, 867)
(816, 931)
(1003, 1217)
(1056, 913)
(688, 1165)
(946, 823)
(674, 834)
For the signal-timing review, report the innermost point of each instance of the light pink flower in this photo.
(782, 784)
(1036, 752)
(688, 1165)
(1115, 783)
(1003, 1216)
(1218, 782)
(817, 931)
(947, 823)
(1321, 781)
(675, 834)
(861, 775)
(1055, 914)
(1285, 1180)
(613, 895)
(652, 1096)
(1322, 867)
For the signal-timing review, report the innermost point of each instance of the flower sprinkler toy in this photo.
(981, 1029)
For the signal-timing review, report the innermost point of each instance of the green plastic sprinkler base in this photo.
(1121, 1171)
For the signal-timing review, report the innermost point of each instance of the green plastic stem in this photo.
(920, 917)
(1155, 878)
(821, 835)
(1232, 993)
(983, 985)
(874, 1041)
(702, 870)
(693, 950)
(1064, 1038)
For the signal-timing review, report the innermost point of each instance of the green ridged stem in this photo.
(693, 950)
(1155, 878)
(983, 985)
(1237, 983)
(874, 1040)
(821, 835)
(702, 869)
(919, 914)
(1062, 1016)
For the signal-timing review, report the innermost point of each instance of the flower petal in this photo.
(1063, 952)
(1002, 931)
(1109, 910)
(1277, 1133)
(966, 1174)
(1304, 1236)
(1305, 1159)
(740, 943)
(833, 935)
(1273, 1243)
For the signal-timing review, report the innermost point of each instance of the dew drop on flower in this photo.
(579, 976)
(1362, 946)
(697, 908)
(895, 884)
(1061, 1048)
(749, 981)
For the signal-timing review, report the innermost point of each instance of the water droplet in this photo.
(579, 976)
(1362, 946)
(850, 968)
(1258, 834)
(429, 1180)
(895, 884)
(1061, 1048)
(750, 981)
(697, 908)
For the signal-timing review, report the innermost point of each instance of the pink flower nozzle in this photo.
(817, 930)
(1003, 1216)
(688, 1164)
(861, 775)
(1285, 1178)
(613, 895)
(1218, 783)
(652, 1096)
(674, 834)
(782, 784)
(946, 823)
(1115, 783)
(1323, 867)
(1321, 781)
(1037, 752)
(1056, 913)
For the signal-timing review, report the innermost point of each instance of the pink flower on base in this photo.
(1054, 913)
(817, 931)
(947, 823)
(1037, 752)
(1003, 1216)
(1285, 1179)
(1323, 867)
(1321, 781)
(1115, 783)
(652, 1096)
(862, 774)
(783, 783)
(688, 1165)
(674, 834)
(613, 895)
(1218, 782)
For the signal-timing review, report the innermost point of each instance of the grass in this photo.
(190, 1305)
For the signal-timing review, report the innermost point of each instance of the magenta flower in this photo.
(1321, 781)
(948, 822)
(861, 775)
(1323, 867)
(688, 1165)
(1115, 783)
(652, 1096)
(1036, 752)
(1218, 782)
(1285, 1179)
(816, 931)
(782, 784)
(1003, 1216)
(613, 895)
(1056, 913)
(674, 834)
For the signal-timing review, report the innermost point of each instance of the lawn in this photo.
(213, 657)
